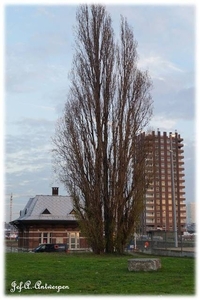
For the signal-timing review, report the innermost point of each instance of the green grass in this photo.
(86, 274)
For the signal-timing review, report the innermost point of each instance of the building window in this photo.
(74, 240)
(45, 238)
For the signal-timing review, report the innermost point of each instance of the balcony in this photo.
(149, 202)
(182, 185)
(183, 221)
(150, 215)
(150, 210)
(180, 139)
(181, 198)
(181, 180)
(181, 191)
(183, 208)
(150, 222)
(183, 215)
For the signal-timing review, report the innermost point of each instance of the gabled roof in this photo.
(44, 207)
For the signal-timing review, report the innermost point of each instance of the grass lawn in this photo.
(86, 274)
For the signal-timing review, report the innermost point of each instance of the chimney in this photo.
(55, 191)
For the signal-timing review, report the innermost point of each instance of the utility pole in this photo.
(11, 201)
(173, 192)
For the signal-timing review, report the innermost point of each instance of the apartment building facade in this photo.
(166, 162)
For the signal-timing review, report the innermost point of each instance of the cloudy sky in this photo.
(38, 57)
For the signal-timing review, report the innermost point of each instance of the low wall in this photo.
(167, 252)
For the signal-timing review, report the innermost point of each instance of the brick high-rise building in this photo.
(165, 183)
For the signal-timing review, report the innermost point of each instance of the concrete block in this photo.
(144, 264)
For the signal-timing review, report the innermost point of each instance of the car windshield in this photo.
(40, 247)
(37, 248)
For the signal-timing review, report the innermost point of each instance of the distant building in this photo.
(10, 231)
(49, 219)
(191, 212)
(159, 197)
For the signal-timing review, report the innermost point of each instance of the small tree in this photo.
(100, 154)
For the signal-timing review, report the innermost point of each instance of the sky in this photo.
(38, 52)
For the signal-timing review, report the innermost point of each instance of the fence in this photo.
(163, 243)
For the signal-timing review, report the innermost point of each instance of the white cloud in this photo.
(163, 123)
(30, 149)
(26, 74)
(43, 11)
(36, 122)
(158, 66)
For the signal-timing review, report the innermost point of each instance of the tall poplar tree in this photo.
(99, 152)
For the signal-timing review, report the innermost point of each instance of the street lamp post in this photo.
(165, 220)
(173, 193)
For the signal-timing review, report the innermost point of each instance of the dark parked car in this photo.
(51, 248)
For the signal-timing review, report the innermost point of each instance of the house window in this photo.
(73, 240)
(45, 238)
